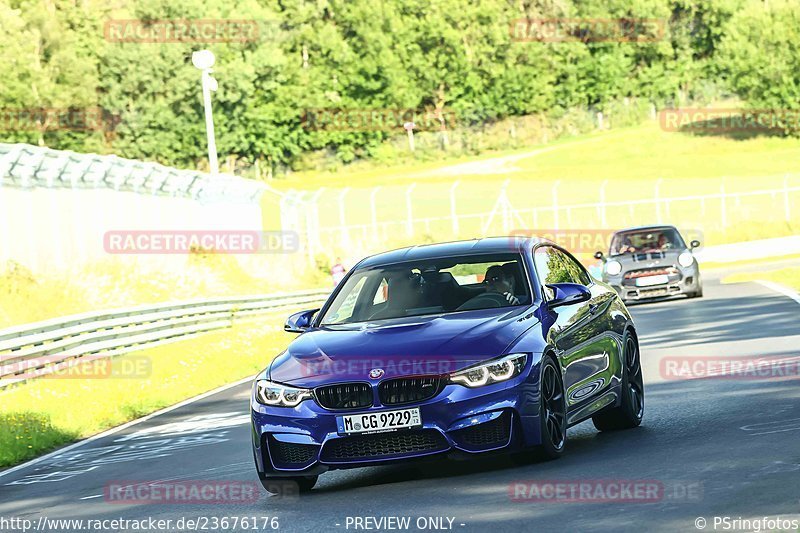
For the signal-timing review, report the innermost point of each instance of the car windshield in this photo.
(644, 241)
(431, 286)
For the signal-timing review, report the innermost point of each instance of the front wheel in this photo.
(552, 411)
(629, 413)
(696, 294)
(289, 485)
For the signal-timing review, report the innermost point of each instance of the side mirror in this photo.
(568, 294)
(299, 322)
(599, 255)
(694, 244)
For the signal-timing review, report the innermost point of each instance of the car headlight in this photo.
(613, 268)
(501, 369)
(275, 394)
(686, 259)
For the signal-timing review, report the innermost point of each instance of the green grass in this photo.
(761, 262)
(641, 153)
(124, 281)
(789, 277)
(632, 160)
(43, 414)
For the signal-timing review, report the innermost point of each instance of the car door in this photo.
(578, 330)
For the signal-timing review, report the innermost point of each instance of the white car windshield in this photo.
(646, 241)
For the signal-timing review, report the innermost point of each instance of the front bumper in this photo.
(458, 422)
(685, 281)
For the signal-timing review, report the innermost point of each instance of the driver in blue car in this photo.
(499, 281)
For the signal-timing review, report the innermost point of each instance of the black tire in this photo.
(552, 412)
(288, 486)
(696, 294)
(629, 413)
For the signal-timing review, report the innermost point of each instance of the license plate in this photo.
(653, 292)
(379, 421)
(652, 280)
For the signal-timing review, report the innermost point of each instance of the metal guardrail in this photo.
(33, 350)
(27, 166)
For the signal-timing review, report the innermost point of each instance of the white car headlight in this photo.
(613, 268)
(686, 259)
(278, 395)
(501, 369)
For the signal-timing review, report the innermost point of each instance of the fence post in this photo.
(312, 226)
(342, 222)
(658, 200)
(453, 213)
(555, 204)
(603, 204)
(374, 211)
(506, 208)
(723, 214)
(786, 210)
(409, 211)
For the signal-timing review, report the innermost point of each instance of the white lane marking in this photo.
(92, 497)
(195, 424)
(125, 426)
(786, 291)
(777, 426)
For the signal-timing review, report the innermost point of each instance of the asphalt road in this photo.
(715, 447)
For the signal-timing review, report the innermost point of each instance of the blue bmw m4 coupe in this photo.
(456, 349)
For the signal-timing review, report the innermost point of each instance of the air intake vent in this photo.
(486, 435)
(408, 390)
(290, 454)
(344, 396)
(383, 445)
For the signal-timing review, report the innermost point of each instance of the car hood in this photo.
(648, 260)
(410, 346)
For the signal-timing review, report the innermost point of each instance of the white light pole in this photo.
(204, 60)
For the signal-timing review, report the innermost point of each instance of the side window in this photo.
(382, 294)
(348, 305)
(554, 266)
(577, 272)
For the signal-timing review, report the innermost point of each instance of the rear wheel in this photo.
(552, 411)
(289, 485)
(629, 413)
